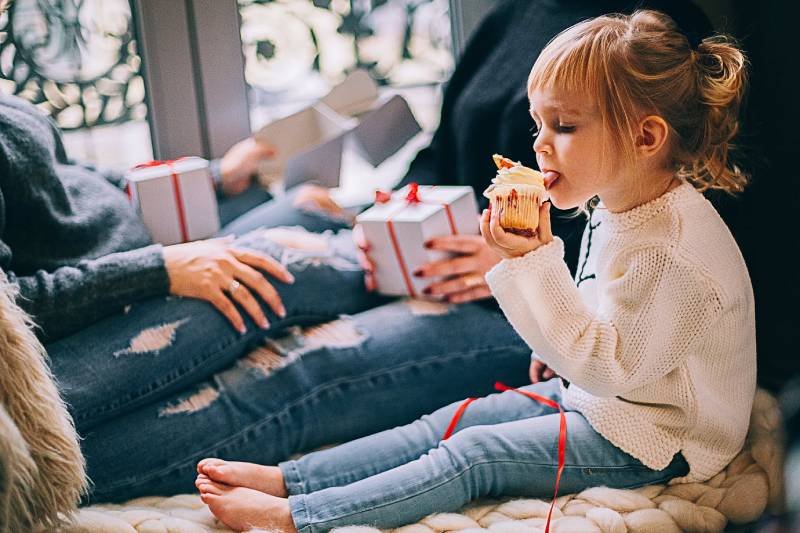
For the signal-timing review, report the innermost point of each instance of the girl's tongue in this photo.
(549, 178)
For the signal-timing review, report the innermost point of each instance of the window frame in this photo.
(193, 69)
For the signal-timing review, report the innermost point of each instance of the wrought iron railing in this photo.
(74, 59)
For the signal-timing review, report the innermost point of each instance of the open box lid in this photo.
(355, 95)
(308, 146)
(309, 143)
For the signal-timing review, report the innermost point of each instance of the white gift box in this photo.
(398, 229)
(175, 199)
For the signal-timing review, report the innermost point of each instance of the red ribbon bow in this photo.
(154, 163)
(412, 196)
(562, 433)
(382, 197)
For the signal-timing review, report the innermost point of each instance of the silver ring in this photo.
(234, 286)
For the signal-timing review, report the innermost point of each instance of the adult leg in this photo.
(281, 211)
(160, 346)
(358, 375)
(232, 207)
(494, 459)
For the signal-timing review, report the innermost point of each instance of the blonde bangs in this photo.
(562, 65)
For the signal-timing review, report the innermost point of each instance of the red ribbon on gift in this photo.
(412, 198)
(176, 189)
(562, 433)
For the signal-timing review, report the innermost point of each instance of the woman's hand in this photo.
(364, 259)
(540, 371)
(315, 198)
(464, 275)
(214, 271)
(240, 164)
(509, 245)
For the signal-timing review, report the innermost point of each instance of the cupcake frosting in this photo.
(519, 174)
(516, 175)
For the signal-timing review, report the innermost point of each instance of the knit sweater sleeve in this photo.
(652, 310)
(70, 298)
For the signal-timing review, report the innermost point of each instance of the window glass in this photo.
(296, 50)
(77, 61)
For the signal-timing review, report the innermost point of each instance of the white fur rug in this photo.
(751, 484)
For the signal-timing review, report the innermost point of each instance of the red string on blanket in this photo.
(562, 433)
(176, 189)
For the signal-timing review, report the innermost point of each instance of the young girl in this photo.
(655, 337)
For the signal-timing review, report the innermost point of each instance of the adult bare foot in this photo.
(267, 479)
(242, 509)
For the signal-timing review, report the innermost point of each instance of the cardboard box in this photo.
(175, 199)
(309, 143)
(397, 230)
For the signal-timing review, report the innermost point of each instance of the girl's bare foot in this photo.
(242, 509)
(266, 479)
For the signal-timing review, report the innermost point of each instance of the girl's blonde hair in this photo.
(641, 64)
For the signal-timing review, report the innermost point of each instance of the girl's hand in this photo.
(540, 371)
(510, 245)
(240, 164)
(214, 271)
(465, 273)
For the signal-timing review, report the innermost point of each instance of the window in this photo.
(78, 62)
(195, 76)
(295, 50)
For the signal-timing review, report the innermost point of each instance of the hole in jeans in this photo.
(191, 404)
(153, 340)
(277, 353)
(420, 307)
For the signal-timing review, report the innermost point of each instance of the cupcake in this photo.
(516, 192)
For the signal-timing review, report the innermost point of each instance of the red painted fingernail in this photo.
(418, 273)
(428, 244)
(426, 290)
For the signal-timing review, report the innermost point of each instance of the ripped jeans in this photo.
(170, 382)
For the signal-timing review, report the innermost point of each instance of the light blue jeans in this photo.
(169, 382)
(505, 445)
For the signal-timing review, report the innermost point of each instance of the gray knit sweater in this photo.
(68, 237)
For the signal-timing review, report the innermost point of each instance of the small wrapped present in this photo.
(175, 199)
(398, 225)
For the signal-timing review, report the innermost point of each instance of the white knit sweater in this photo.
(658, 336)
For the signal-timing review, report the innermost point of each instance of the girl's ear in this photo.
(651, 136)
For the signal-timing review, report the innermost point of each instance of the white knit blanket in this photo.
(739, 494)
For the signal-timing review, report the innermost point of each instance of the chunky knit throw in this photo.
(749, 485)
(656, 335)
